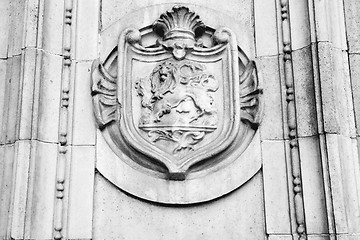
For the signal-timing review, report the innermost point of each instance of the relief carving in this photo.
(182, 104)
(177, 103)
(179, 29)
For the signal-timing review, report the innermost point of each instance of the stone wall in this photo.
(55, 175)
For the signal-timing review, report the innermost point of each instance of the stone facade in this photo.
(251, 133)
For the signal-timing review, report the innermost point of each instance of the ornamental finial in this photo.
(179, 29)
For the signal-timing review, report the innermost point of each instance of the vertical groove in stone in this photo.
(320, 122)
(292, 122)
(63, 124)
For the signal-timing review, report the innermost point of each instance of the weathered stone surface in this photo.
(12, 99)
(47, 98)
(237, 215)
(344, 172)
(142, 185)
(317, 89)
(16, 28)
(352, 12)
(336, 184)
(176, 110)
(4, 28)
(305, 92)
(6, 185)
(3, 94)
(2, 190)
(272, 121)
(82, 177)
(313, 188)
(113, 10)
(27, 93)
(41, 191)
(299, 20)
(354, 61)
(83, 131)
(330, 25)
(87, 33)
(266, 34)
(31, 24)
(52, 27)
(349, 237)
(19, 193)
(280, 237)
(336, 91)
(277, 212)
(146, 16)
(300, 173)
(318, 237)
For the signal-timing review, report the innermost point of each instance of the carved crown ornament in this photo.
(179, 109)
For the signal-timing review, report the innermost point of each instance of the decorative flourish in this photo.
(250, 95)
(63, 129)
(292, 125)
(178, 95)
(104, 95)
(185, 139)
(179, 29)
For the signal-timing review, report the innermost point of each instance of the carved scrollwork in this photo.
(250, 94)
(103, 90)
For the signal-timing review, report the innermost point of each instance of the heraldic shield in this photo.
(181, 105)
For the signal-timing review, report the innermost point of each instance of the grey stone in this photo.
(7, 154)
(3, 94)
(47, 98)
(12, 98)
(81, 192)
(313, 188)
(352, 11)
(19, 198)
(344, 170)
(330, 24)
(4, 27)
(16, 27)
(271, 126)
(299, 20)
(27, 92)
(177, 110)
(305, 92)
(87, 34)
(277, 212)
(337, 101)
(39, 223)
(266, 34)
(52, 23)
(354, 61)
(83, 131)
(237, 216)
(62, 175)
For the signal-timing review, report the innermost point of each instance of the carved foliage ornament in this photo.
(182, 105)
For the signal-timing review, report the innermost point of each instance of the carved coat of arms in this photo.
(182, 104)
